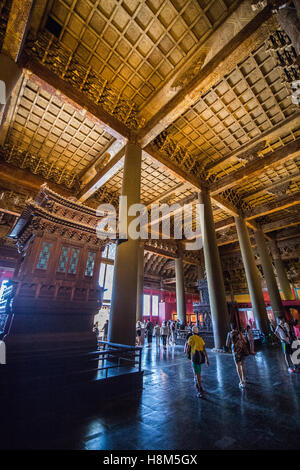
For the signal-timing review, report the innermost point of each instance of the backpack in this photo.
(240, 346)
(198, 357)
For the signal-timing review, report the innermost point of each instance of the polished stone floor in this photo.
(168, 414)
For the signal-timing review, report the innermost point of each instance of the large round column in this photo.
(214, 272)
(269, 274)
(9, 75)
(253, 281)
(284, 283)
(140, 284)
(124, 295)
(180, 296)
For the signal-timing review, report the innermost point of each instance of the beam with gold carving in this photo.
(116, 162)
(257, 166)
(291, 221)
(19, 17)
(285, 202)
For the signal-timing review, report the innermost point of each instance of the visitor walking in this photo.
(250, 338)
(149, 331)
(169, 333)
(239, 347)
(173, 333)
(164, 333)
(283, 332)
(138, 333)
(198, 355)
(157, 334)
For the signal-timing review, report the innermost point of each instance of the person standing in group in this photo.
(164, 333)
(283, 332)
(96, 329)
(157, 334)
(239, 347)
(198, 355)
(138, 333)
(149, 330)
(250, 338)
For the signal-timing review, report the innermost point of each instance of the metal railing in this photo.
(122, 355)
(75, 363)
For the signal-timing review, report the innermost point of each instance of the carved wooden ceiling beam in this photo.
(282, 154)
(251, 147)
(274, 206)
(113, 166)
(281, 224)
(19, 17)
(172, 167)
(225, 205)
(92, 177)
(17, 178)
(273, 186)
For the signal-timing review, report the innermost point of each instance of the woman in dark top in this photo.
(239, 347)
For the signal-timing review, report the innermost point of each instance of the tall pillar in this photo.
(124, 295)
(214, 272)
(281, 272)
(180, 296)
(140, 284)
(200, 276)
(9, 75)
(253, 281)
(267, 267)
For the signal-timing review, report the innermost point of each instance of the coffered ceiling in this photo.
(135, 45)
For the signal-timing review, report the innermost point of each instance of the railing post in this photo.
(140, 360)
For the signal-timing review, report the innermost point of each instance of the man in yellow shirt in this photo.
(197, 349)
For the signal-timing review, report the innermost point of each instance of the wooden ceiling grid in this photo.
(250, 100)
(59, 134)
(136, 45)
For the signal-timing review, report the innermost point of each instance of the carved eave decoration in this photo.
(38, 166)
(52, 213)
(180, 156)
(69, 207)
(35, 220)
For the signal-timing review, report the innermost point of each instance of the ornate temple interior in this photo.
(178, 103)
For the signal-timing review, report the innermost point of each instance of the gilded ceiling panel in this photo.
(43, 126)
(249, 101)
(135, 45)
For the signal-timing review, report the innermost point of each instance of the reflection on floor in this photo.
(169, 416)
